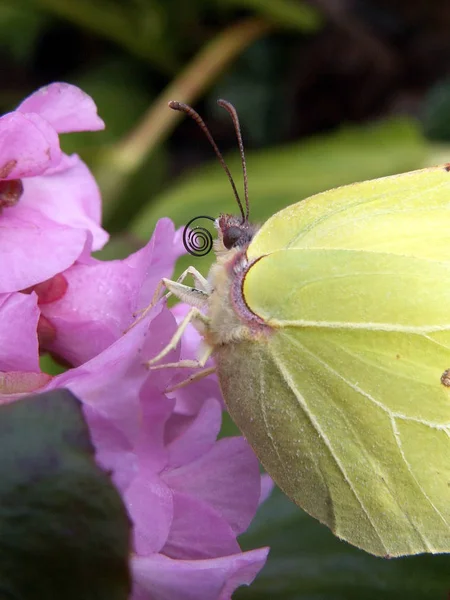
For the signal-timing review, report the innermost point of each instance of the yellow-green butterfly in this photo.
(330, 331)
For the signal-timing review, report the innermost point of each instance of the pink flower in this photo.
(49, 202)
(188, 495)
(102, 297)
(19, 358)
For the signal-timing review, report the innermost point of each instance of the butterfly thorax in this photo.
(231, 319)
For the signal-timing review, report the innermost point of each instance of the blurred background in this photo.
(328, 92)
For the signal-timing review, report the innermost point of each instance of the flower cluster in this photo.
(188, 495)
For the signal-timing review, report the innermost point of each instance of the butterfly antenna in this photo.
(174, 105)
(233, 113)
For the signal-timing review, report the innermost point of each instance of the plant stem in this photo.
(122, 160)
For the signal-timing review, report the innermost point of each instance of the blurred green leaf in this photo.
(20, 28)
(289, 13)
(49, 365)
(436, 112)
(65, 531)
(256, 83)
(307, 562)
(121, 96)
(139, 26)
(280, 176)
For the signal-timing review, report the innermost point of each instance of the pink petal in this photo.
(110, 382)
(114, 452)
(157, 577)
(267, 486)
(16, 383)
(164, 248)
(149, 504)
(68, 195)
(52, 289)
(163, 328)
(65, 107)
(250, 565)
(103, 297)
(149, 444)
(227, 478)
(33, 248)
(197, 531)
(28, 146)
(191, 337)
(186, 444)
(190, 398)
(19, 316)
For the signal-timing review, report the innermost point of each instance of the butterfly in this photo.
(329, 327)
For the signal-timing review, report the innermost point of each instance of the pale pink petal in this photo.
(188, 439)
(197, 531)
(69, 196)
(65, 107)
(249, 566)
(149, 504)
(28, 146)
(19, 314)
(227, 478)
(158, 577)
(103, 297)
(33, 248)
(267, 486)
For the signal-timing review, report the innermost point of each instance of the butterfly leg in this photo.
(193, 378)
(195, 296)
(200, 322)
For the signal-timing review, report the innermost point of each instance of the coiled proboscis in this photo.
(198, 240)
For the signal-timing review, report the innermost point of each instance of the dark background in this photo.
(328, 92)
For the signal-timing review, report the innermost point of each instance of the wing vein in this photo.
(392, 416)
(327, 443)
(425, 495)
(366, 326)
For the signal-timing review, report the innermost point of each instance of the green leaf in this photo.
(65, 531)
(20, 29)
(436, 112)
(289, 13)
(306, 562)
(121, 98)
(283, 175)
(139, 27)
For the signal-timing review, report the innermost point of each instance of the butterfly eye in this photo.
(232, 236)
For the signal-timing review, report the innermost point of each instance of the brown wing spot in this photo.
(445, 378)
(7, 168)
(397, 356)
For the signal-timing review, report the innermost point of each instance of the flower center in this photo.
(10, 192)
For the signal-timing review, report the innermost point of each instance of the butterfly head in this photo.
(233, 232)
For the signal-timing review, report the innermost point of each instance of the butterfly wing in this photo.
(402, 214)
(344, 403)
